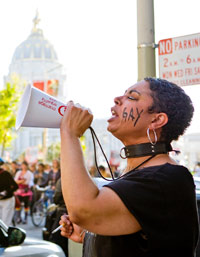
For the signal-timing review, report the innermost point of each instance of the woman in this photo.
(40, 177)
(151, 209)
(7, 200)
(24, 179)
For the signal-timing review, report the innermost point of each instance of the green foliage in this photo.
(9, 97)
(53, 152)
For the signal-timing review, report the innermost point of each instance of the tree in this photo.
(9, 97)
(53, 151)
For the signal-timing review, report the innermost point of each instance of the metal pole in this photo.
(146, 38)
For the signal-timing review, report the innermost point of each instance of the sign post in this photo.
(179, 59)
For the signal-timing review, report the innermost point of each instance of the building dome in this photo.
(35, 60)
(35, 47)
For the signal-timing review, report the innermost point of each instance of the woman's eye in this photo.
(131, 98)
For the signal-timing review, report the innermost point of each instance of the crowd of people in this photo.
(18, 191)
(23, 177)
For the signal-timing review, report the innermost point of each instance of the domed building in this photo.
(35, 61)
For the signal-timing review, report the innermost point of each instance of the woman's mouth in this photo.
(114, 115)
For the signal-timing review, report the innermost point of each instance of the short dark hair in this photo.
(25, 163)
(41, 164)
(172, 100)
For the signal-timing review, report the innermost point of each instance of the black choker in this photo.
(145, 149)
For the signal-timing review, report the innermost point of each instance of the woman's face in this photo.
(130, 117)
(40, 168)
(24, 167)
(55, 164)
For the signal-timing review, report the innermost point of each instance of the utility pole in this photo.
(146, 38)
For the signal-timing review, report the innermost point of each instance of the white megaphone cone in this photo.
(38, 109)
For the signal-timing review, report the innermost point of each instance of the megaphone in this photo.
(38, 109)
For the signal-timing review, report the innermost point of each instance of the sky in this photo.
(96, 41)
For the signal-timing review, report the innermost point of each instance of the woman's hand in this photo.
(76, 119)
(70, 230)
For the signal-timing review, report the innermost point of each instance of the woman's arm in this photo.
(17, 180)
(98, 211)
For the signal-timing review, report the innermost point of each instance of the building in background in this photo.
(35, 61)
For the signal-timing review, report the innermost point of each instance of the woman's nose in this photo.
(118, 100)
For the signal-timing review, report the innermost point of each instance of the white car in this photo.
(13, 243)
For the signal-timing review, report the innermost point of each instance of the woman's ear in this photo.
(159, 120)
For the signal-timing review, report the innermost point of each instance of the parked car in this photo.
(13, 242)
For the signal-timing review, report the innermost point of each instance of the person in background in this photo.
(150, 210)
(60, 210)
(197, 169)
(24, 179)
(7, 200)
(104, 172)
(53, 176)
(47, 168)
(40, 177)
(7, 166)
(115, 171)
(32, 167)
(93, 171)
(14, 168)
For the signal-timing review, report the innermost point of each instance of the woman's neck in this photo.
(159, 159)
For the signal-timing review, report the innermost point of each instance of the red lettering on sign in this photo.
(167, 75)
(178, 73)
(197, 70)
(165, 46)
(62, 109)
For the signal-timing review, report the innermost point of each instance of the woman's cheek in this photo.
(131, 115)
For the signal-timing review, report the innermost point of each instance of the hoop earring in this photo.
(155, 137)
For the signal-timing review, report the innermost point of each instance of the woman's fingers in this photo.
(76, 119)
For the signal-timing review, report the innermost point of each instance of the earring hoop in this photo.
(155, 137)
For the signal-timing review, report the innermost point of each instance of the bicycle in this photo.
(39, 208)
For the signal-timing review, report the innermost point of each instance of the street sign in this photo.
(179, 59)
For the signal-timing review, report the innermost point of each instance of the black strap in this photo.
(148, 159)
(94, 136)
(145, 149)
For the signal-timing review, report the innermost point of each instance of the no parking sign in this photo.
(179, 59)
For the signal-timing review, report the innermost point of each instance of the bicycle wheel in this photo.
(38, 213)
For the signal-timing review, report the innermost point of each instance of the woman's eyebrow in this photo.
(132, 91)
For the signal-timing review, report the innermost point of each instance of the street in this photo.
(31, 230)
